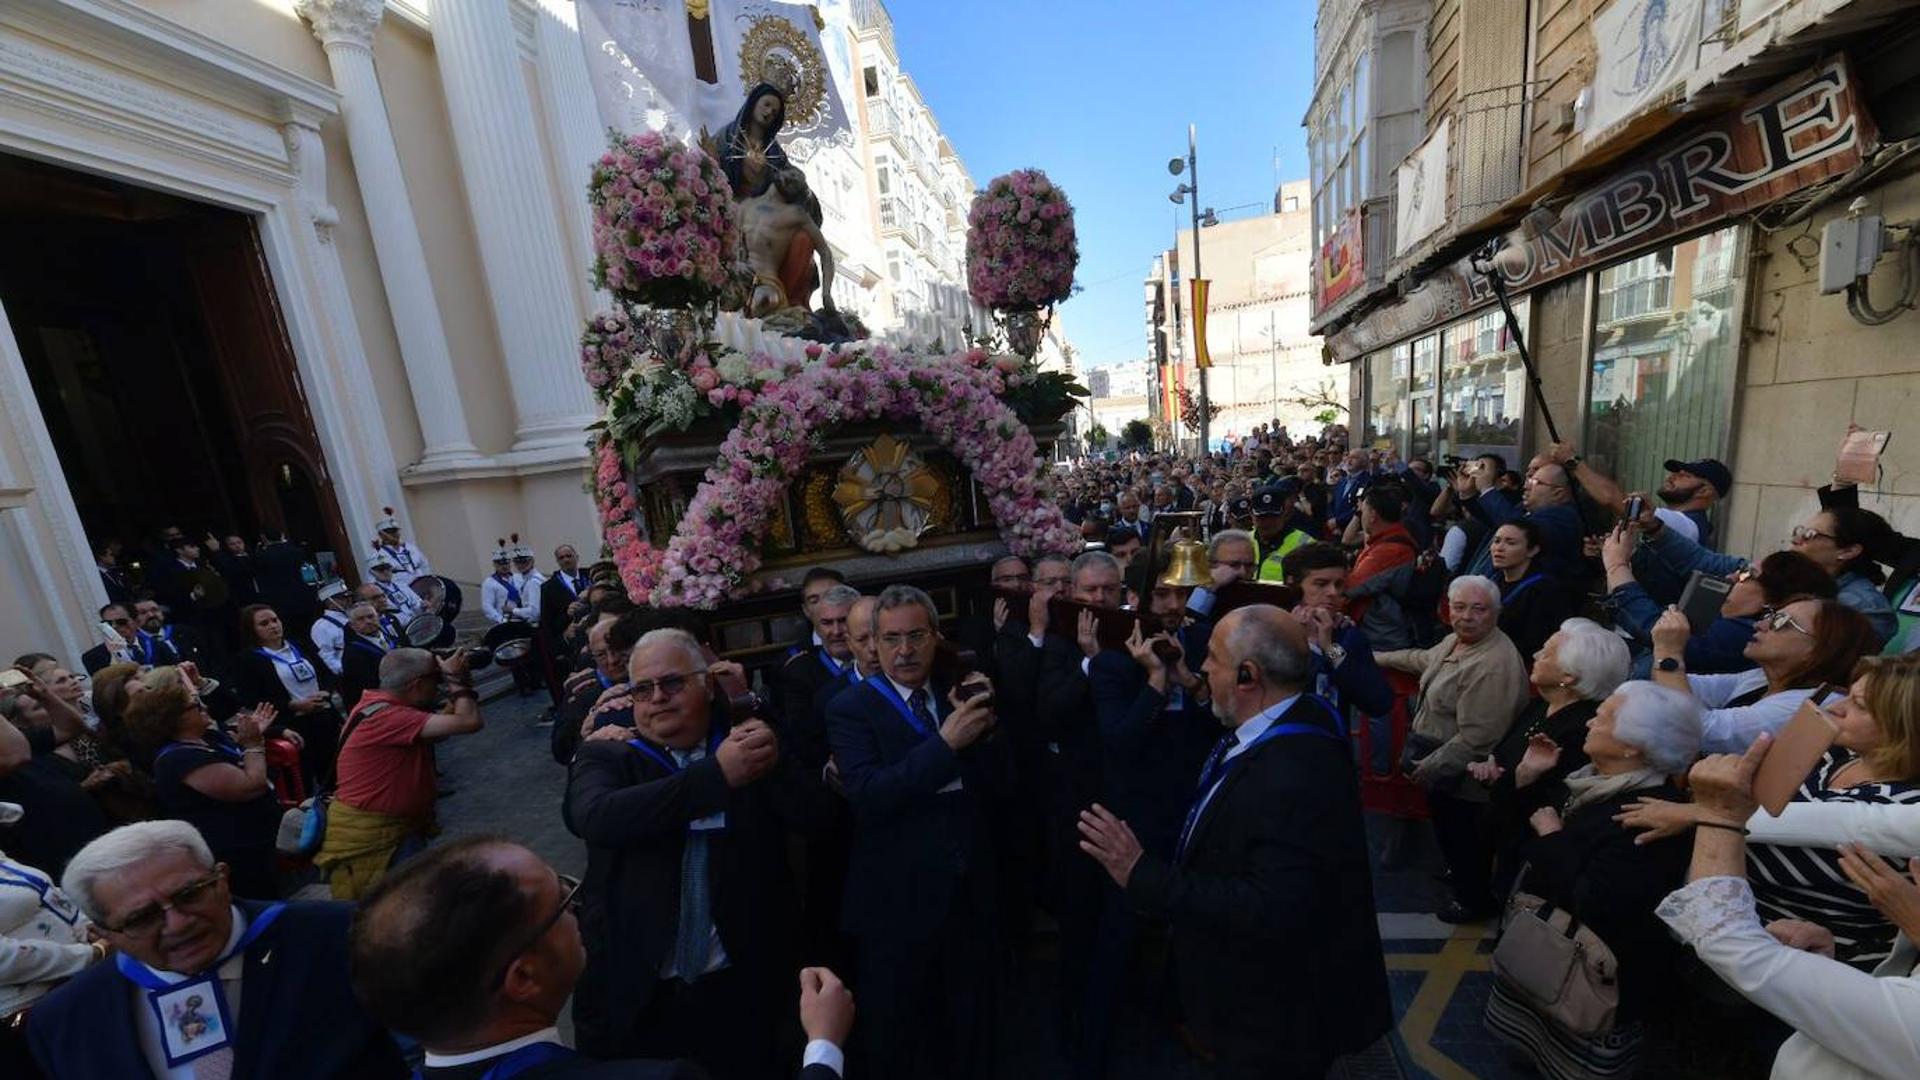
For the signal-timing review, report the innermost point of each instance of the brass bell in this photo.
(1187, 566)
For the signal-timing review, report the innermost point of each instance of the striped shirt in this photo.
(1806, 882)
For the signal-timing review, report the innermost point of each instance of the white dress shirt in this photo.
(329, 635)
(1248, 730)
(448, 1061)
(38, 948)
(498, 606)
(1848, 1025)
(148, 1025)
(296, 688)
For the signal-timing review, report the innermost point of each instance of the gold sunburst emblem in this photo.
(886, 496)
(778, 53)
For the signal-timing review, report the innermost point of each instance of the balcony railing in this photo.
(1489, 145)
(880, 118)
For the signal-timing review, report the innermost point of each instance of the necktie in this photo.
(215, 1066)
(693, 942)
(922, 711)
(1210, 773)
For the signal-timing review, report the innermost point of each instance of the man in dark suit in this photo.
(275, 973)
(156, 642)
(287, 576)
(597, 697)
(808, 680)
(106, 558)
(1275, 949)
(483, 991)
(120, 617)
(921, 775)
(687, 898)
(558, 596)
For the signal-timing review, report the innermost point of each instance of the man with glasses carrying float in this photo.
(922, 772)
(687, 906)
(203, 985)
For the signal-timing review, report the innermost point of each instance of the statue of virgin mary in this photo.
(749, 152)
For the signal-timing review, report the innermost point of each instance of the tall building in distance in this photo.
(1266, 361)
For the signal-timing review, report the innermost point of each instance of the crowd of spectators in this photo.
(1560, 682)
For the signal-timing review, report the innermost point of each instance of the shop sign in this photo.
(1809, 129)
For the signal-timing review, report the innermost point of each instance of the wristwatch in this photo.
(1668, 663)
(1335, 654)
(1572, 463)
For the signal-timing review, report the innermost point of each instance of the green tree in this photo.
(1137, 435)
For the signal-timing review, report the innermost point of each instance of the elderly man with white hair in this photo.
(1472, 686)
(204, 985)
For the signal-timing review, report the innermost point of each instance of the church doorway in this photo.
(154, 342)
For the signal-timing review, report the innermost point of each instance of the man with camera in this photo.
(384, 788)
(687, 905)
(922, 771)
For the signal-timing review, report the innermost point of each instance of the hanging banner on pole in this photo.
(1200, 357)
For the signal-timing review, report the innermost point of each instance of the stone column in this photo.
(522, 251)
(345, 29)
(579, 137)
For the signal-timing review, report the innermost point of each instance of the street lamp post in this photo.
(1192, 187)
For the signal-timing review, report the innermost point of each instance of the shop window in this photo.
(1387, 396)
(1483, 386)
(1665, 344)
(1425, 380)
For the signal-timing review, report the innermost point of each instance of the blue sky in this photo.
(1099, 94)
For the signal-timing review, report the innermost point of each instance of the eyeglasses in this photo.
(148, 919)
(1051, 582)
(1802, 534)
(1780, 620)
(914, 638)
(668, 685)
(569, 901)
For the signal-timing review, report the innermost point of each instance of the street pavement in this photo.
(505, 781)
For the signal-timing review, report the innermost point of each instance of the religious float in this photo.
(747, 435)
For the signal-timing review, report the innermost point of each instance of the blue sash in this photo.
(146, 641)
(149, 979)
(294, 665)
(666, 759)
(513, 591)
(879, 682)
(1522, 586)
(833, 667)
(22, 878)
(1217, 775)
(366, 646)
(527, 1057)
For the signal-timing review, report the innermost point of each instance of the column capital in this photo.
(342, 22)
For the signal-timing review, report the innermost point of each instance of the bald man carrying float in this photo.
(1276, 952)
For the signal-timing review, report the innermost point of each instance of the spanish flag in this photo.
(1200, 357)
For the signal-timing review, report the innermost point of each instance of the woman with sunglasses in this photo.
(1874, 760)
(215, 782)
(1844, 541)
(1795, 648)
(1777, 579)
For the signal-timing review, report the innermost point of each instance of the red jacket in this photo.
(1392, 546)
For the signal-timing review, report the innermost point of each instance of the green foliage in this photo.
(1137, 435)
(1043, 397)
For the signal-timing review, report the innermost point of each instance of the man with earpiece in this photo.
(1275, 949)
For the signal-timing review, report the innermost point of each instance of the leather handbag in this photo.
(1559, 966)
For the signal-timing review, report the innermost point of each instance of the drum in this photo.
(438, 596)
(511, 642)
(429, 632)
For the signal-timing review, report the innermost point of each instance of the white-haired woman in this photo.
(1578, 667)
(1472, 685)
(1583, 862)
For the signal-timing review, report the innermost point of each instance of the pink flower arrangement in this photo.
(607, 349)
(717, 546)
(663, 225)
(1021, 249)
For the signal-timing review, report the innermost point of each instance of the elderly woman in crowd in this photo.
(1843, 541)
(272, 670)
(1578, 667)
(1847, 1023)
(1582, 861)
(1533, 602)
(212, 781)
(1875, 759)
(1472, 685)
(1778, 580)
(43, 941)
(1795, 648)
